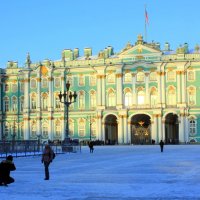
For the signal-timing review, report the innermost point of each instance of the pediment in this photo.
(140, 49)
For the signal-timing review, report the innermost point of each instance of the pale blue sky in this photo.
(46, 27)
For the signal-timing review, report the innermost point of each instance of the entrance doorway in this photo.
(171, 129)
(140, 129)
(111, 130)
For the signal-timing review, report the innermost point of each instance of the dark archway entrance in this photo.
(171, 129)
(111, 130)
(140, 129)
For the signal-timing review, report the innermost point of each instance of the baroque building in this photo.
(135, 96)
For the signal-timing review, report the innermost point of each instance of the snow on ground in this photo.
(110, 173)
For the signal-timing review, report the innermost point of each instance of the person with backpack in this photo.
(5, 167)
(47, 157)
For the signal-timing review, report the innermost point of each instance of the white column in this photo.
(163, 88)
(129, 132)
(26, 114)
(147, 99)
(38, 92)
(178, 87)
(159, 88)
(50, 130)
(181, 128)
(103, 94)
(99, 93)
(133, 89)
(119, 91)
(51, 96)
(163, 130)
(154, 133)
(39, 128)
(99, 126)
(160, 137)
(184, 89)
(126, 141)
(186, 127)
(120, 129)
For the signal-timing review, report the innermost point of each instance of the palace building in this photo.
(137, 95)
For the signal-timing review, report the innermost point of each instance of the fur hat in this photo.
(10, 157)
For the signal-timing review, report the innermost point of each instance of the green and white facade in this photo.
(134, 96)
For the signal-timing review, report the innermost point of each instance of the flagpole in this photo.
(145, 23)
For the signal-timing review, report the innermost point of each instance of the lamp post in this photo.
(68, 99)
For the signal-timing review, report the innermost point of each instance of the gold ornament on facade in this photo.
(38, 79)
(44, 70)
(139, 50)
(119, 75)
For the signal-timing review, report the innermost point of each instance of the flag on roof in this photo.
(146, 17)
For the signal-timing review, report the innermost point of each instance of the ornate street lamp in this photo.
(67, 98)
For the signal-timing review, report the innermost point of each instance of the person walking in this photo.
(161, 145)
(5, 167)
(47, 158)
(91, 146)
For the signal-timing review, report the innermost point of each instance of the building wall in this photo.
(157, 84)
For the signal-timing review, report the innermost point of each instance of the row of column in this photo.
(26, 115)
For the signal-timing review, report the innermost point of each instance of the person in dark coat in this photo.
(47, 158)
(161, 145)
(91, 146)
(5, 167)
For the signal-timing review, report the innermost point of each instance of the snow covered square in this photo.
(110, 173)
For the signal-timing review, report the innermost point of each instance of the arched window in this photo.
(33, 102)
(141, 97)
(111, 78)
(70, 79)
(45, 130)
(22, 87)
(44, 82)
(57, 82)
(128, 97)
(6, 130)
(81, 80)
(6, 88)
(93, 128)
(92, 79)
(92, 99)
(191, 76)
(152, 76)
(127, 77)
(45, 102)
(171, 76)
(14, 104)
(6, 104)
(81, 100)
(22, 130)
(14, 87)
(111, 98)
(192, 127)
(33, 129)
(191, 96)
(57, 102)
(33, 83)
(58, 129)
(153, 97)
(71, 127)
(171, 97)
(140, 77)
(81, 128)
